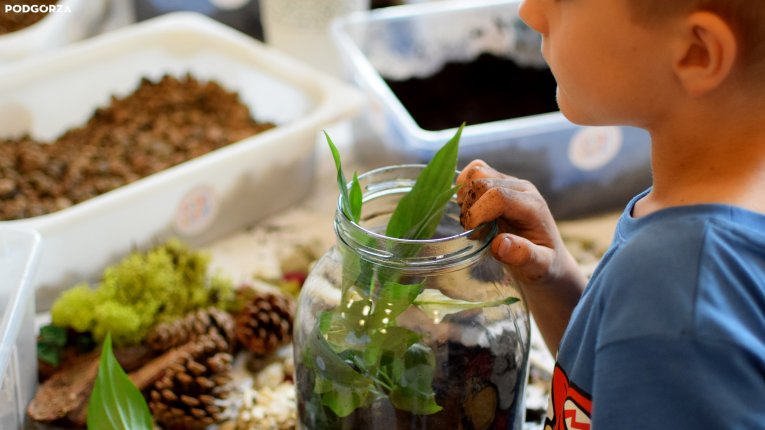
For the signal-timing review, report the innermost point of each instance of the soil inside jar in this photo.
(477, 389)
(159, 125)
(489, 88)
(11, 21)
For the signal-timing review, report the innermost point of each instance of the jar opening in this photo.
(381, 190)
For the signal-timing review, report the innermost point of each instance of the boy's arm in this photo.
(529, 244)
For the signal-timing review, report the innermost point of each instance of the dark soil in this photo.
(490, 88)
(12, 21)
(159, 125)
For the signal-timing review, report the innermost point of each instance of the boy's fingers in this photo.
(467, 196)
(466, 177)
(525, 259)
(467, 173)
(473, 180)
(517, 207)
(477, 169)
(481, 186)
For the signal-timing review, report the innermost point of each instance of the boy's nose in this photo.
(532, 13)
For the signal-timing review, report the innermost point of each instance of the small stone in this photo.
(7, 186)
(271, 376)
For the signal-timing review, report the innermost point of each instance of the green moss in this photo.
(143, 289)
(122, 321)
(74, 308)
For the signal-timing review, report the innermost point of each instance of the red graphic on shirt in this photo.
(570, 407)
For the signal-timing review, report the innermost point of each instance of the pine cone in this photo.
(265, 321)
(195, 324)
(189, 393)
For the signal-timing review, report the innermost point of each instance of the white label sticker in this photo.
(196, 211)
(593, 147)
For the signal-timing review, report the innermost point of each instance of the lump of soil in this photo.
(159, 125)
(11, 21)
(489, 88)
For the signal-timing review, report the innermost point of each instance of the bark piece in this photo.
(66, 390)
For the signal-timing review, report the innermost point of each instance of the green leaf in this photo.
(414, 391)
(344, 400)
(346, 328)
(437, 305)
(435, 179)
(53, 335)
(115, 403)
(48, 353)
(351, 206)
(427, 226)
(50, 344)
(326, 360)
(395, 298)
(341, 387)
(393, 349)
(355, 198)
(415, 402)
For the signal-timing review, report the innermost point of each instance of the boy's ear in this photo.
(706, 52)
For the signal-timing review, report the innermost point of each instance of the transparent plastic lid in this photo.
(18, 257)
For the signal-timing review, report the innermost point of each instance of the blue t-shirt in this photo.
(670, 332)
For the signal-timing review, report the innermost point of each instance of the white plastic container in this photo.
(198, 200)
(579, 170)
(18, 365)
(301, 28)
(71, 20)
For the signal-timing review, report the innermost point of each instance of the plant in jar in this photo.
(379, 339)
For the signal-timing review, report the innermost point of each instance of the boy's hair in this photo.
(746, 18)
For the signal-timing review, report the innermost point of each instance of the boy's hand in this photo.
(529, 242)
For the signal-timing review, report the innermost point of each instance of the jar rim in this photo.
(454, 247)
(378, 170)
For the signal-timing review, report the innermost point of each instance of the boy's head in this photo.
(745, 18)
(640, 62)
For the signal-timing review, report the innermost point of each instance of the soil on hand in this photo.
(13, 21)
(489, 88)
(159, 125)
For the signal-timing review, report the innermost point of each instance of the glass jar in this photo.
(409, 334)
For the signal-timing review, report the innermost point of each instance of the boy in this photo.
(670, 332)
